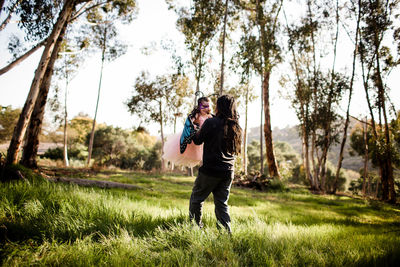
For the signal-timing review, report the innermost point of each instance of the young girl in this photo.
(179, 149)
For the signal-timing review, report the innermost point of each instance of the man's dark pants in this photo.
(203, 186)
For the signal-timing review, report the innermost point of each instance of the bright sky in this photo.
(154, 23)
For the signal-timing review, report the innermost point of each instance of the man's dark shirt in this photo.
(216, 160)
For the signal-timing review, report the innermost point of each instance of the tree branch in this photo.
(7, 20)
(22, 58)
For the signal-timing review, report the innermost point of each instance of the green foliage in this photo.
(8, 120)
(121, 148)
(153, 100)
(286, 157)
(299, 177)
(199, 25)
(45, 223)
(377, 148)
(54, 153)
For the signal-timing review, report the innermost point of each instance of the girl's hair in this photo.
(196, 109)
(226, 109)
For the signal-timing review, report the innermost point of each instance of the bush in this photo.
(260, 182)
(54, 153)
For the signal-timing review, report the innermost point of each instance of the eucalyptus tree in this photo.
(354, 10)
(318, 88)
(152, 99)
(70, 11)
(266, 19)
(34, 127)
(104, 34)
(71, 56)
(246, 62)
(377, 60)
(19, 131)
(199, 24)
(35, 20)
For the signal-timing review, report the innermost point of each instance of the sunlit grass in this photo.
(44, 223)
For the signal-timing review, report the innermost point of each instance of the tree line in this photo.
(257, 37)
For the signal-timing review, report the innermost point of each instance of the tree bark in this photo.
(162, 136)
(245, 132)
(365, 173)
(65, 150)
(90, 148)
(221, 89)
(261, 129)
(26, 113)
(271, 161)
(36, 121)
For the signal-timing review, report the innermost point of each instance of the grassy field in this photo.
(46, 223)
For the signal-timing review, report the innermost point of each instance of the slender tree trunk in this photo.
(36, 121)
(245, 132)
(65, 151)
(346, 124)
(261, 129)
(305, 138)
(307, 162)
(162, 135)
(221, 89)
(388, 190)
(365, 173)
(198, 76)
(314, 86)
(271, 161)
(26, 113)
(90, 148)
(391, 193)
(366, 157)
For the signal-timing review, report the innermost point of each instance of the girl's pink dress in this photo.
(192, 155)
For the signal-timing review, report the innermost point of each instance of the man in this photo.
(222, 137)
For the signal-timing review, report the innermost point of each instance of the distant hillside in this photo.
(291, 136)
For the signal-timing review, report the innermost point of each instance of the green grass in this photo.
(44, 223)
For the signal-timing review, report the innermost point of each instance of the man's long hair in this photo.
(226, 109)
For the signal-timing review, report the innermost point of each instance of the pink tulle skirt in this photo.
(191, 157)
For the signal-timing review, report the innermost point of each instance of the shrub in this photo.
(54, 153)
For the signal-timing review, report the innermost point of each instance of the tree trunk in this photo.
(90, 148)
(103, 52)
(271, 161)
(365, 173)
(162, 136)
(245, 132)
(65, 151)
(346, 124)
(390, 193)
(221, 89)
(36, 121)
(198, 76)
(26, 113)
(261, 130)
